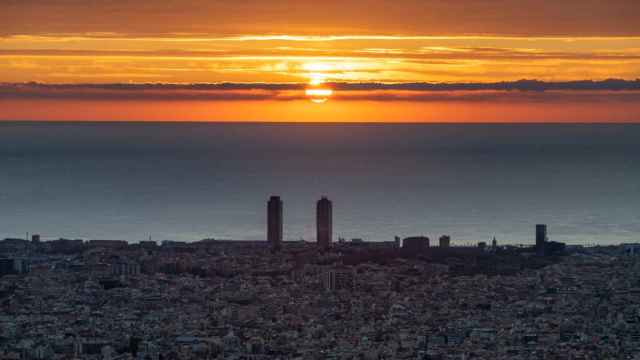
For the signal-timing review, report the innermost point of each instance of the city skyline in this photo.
(275, 235)
(169, 170)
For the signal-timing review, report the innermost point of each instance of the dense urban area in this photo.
(274, 299)
(69, 299)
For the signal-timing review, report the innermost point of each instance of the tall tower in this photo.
(541, 238)
(445, 241)
(324, 223)
(274, 223)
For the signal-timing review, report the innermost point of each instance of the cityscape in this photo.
(320, 180)
(274, 299)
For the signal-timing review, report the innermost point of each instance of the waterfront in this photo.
(193, 181)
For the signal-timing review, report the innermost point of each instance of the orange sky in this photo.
(269, 41)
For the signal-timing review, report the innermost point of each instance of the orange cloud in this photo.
(412, 17)
(288, 58)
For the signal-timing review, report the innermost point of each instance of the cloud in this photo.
(459, 53)
(148, 92)
(523, 85)
(310, 17)
(523, 90)
(291, 58)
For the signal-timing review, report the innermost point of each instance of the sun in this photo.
(317, 92)
(319, 95)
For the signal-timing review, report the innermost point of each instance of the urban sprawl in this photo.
(275, 299)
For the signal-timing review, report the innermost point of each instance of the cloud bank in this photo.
(529, 90)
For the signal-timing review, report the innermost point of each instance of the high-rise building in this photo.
(274, 223)
(445, 241)
(415, 244)
(541, 238)
(324, 223)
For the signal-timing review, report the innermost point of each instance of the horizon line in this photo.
(307, 123)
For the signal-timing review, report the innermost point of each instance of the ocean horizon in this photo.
(187, 181)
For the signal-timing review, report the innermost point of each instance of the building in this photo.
(415, 243)
(324, 223)
(107, 244)
(6, 267)
(67, 246)
(125, 267)
(13, 266)
(541, 238)
(339, 279)
(630, 249)
(274, 223)
(148, 244)
(445, 241)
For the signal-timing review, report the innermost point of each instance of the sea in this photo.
(189, 181)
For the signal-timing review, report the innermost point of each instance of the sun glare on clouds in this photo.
(317, 76)
(319, 95)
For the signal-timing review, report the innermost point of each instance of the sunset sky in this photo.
(254, 45)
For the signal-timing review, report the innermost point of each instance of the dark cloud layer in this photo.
(530, 89)
(524, 85)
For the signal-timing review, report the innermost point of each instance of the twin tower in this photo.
(324, 225)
